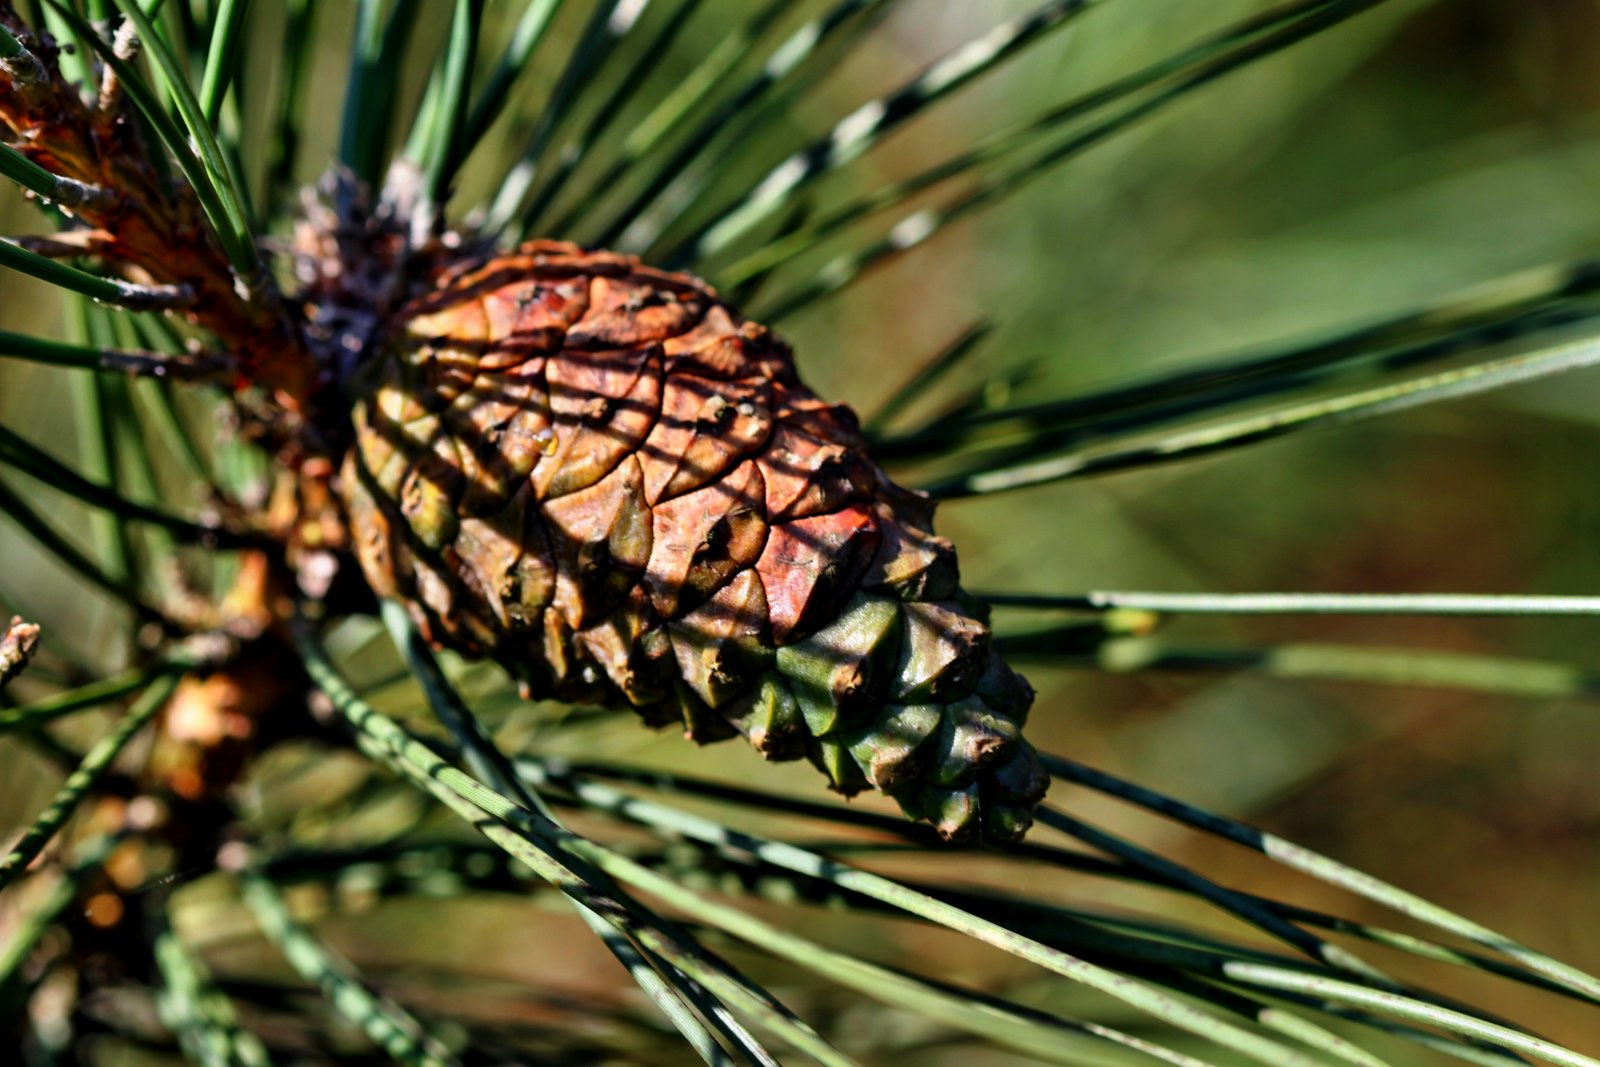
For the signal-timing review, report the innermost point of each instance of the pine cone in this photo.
(604, 478)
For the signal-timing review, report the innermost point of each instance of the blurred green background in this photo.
(1418, 150)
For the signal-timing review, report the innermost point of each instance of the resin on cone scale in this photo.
(604, 478)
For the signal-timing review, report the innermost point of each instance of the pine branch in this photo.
(185, 244)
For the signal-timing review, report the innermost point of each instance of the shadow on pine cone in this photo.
(607, 480)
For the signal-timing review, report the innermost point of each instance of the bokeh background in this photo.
(1415, 151)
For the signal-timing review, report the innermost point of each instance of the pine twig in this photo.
(17, 647)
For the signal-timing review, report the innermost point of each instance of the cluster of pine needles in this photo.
(703, 891)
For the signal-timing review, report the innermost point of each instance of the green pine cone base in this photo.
(907, 698)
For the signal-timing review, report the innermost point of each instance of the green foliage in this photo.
(746, 916)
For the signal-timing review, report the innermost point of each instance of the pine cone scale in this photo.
(702, 538)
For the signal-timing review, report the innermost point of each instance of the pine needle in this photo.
(78, 784)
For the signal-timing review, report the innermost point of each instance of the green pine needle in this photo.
(222, 58)
(201, 1014)
(289, 107)
(609, 25)
(678, 106)
(530, 31)
(65, 192)
(550, 852)
(95, 764)
(914, 230)
(201, 162)
(390, 1026)
(1328, 870)
(673, 993)
(1283, 987)
(1334, 411)
(374, 79)
(873, 886)
(27, 930)
(869, 124)
(108, 290)
(443, 150)
(576, 150)
(38, 464)
(1424, 604)
(52, 542)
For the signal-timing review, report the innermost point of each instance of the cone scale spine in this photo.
(604, 478)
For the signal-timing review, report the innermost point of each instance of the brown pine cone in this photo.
(604, 478)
